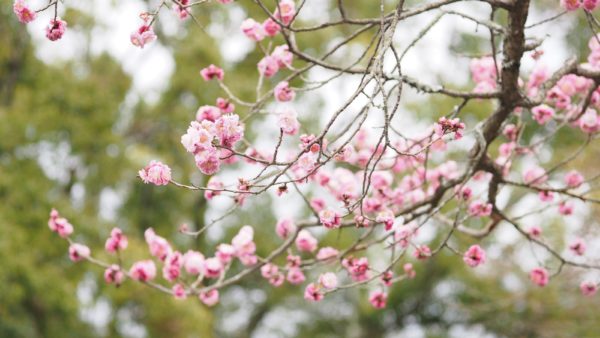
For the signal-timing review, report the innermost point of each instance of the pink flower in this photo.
(116, 241)
(213, 183)
(156, 173)
(283, 92)
(225, 253)
(480, 209)
(78, 252)
(285, 11)
(589, 122)
(295, 276)
(270, 27)
(55, 29)
(546, 196)
(590, 5)
(311, 293)
(159, 247)
(178, 291)
(212, 267)
(23, 12)
(269, 270)
(358, 268)
(288, 122)
(59, 225)
(570, 5)
(114, 275)
(511, 132)
(252, 29)
(243, 242)
(539, 276)
(172, 267)
(229, 130)
(409, 270)
(474, 256)
(328, 280)
(209, 298)
(534, 231)
(212, 72)
(143, 271)
(193, 262)
(445, 126)
(386, 217)
(573, 179)
(268, 66)
(588, 288)
(225, 106)
(483, 70)
(330, 219)
(387, 277)
(577, 246)
(326, 253)
(422, 252)
(208, 161)
(565, 208)
(283, 56)
(143, 36)
(181, 10)
(535, 176)
(305, 241)
(285, 227)
(542, 114)
(378, 299)
(209, 113)
(277, 280)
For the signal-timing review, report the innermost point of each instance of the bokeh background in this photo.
(79, 117)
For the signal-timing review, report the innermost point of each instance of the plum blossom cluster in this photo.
(376, 183)
(56, 27)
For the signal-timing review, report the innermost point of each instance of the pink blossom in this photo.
(252, 29)
(268, 66)
(159, 247)
(116, 241)
(269, 270)
(305, 241)
(199, 135)
(59, 225)
(78, 252)
(225, 106)
(285, 227)
(403, 235)
(590, 5)
(409, 270)
(55, 29)
(210, 113)
(573, 179)
(570, 5)
(577, 246)
(212, 72)
(285, 11)
(212, 267)
(283, 56)
(588, 288)
(225, 253)
(156, 173)
(358, 268)
(172, 267)
(535, 176)
(589, 122)
(422, 252)
(208, 161)
(213, 183)
(474, 256)
(288, 122)
(326, 253)
(542, 114)
(295, 276)
(386, 217)
(229, 130)
(178, 291)
(484, 73)
(546, 196)
(311, 293)
(23, 12)
(511, 132)
(539, 276)
(330, 219)
(270, 27)
(445, 126)
(210, 297)
(181, 10)
(114, 275)
(142, 36)
(328, 280)
(277, 280)
(293, 261)
(565, 208)
(317, 203)
(378, 299)
(283, 92)
(534, 231)
(243, 242)
(387, 277)
(480, 209)
(193, 262)
(143, 271)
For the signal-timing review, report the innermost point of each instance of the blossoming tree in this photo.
(363, 170)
